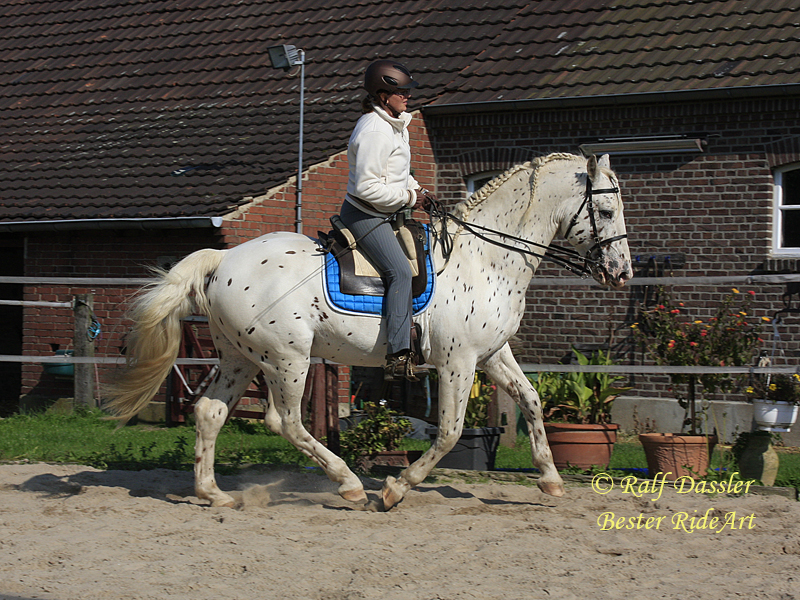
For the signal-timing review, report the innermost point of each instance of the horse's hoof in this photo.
(220, 504)
(551, 488)
(392, 493)
(356, 495)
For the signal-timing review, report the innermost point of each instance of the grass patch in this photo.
(83, 437)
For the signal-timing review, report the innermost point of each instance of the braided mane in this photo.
(465, 207)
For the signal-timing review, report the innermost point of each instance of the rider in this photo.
(380, 184)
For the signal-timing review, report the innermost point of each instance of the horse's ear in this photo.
(591, 167)
(605, 162)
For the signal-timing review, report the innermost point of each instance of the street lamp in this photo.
(285, 57)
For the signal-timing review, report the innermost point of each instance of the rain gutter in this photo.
(97, 224)
(612, 100)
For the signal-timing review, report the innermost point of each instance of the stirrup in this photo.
(400, 367)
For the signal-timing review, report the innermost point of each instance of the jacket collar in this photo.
(399, 123)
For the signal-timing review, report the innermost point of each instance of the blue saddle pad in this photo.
(371, 305)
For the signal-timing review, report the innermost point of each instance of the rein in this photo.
(567, 260)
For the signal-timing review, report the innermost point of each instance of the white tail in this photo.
(154, 342)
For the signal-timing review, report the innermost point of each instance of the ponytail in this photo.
(367, 105)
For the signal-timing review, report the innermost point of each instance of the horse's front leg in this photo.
(503, 369)
(454, 385)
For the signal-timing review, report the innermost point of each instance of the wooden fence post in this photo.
(332, 408)
(83, 346)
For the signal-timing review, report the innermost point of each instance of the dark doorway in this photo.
(11, 265)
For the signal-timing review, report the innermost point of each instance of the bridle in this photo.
(588, 202)
(564, 257)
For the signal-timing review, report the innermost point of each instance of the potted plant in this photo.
(375, 439)
(577, 407)
(672, 337)
(776, 401)
(476, 449)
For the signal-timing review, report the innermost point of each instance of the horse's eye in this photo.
(606, 214)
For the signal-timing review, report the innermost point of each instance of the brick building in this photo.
(138, 132)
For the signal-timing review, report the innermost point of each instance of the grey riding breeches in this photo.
(376, 238)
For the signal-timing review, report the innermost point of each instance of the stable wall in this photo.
(714, 207)
(109, 253)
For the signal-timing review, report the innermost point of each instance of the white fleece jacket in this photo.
(379, 156)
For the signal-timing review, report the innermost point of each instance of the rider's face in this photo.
(397, 102)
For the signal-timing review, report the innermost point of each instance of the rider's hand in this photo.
(425, 199)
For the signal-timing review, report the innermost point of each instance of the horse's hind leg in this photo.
(286, 381)
(211, 412)
(503, 369)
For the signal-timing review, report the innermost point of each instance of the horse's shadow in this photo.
(264, 490)
(170, 486)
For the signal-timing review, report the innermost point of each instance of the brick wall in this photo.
(715, 207)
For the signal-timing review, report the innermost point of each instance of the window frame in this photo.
(470, 180)
(778, 210)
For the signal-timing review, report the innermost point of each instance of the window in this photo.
(786, 217)
(476, 182)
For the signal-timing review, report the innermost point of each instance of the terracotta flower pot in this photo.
(581, 446)
(677, 455)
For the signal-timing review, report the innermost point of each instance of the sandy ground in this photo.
(72, 532)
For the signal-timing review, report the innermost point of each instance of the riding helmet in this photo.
(387, 75)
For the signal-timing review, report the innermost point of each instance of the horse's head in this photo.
(597, 229)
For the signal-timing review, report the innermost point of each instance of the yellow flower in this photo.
(767, 319)
(698, 321)
(772, 387)
(735, 291)
(750, 390)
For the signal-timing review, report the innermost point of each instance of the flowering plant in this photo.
(380, 430)
(480, 396)
(776, 388)
(672, 337)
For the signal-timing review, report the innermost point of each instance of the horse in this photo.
(267, 312)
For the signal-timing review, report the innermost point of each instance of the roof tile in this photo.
(171, 108)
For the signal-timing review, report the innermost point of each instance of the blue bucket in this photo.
(65, 370)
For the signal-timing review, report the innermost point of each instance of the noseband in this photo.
(589, 204)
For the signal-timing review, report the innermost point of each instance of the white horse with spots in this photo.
(267, 312)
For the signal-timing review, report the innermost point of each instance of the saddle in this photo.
(358, 274)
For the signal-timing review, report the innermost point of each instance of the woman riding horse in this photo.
(380, 184)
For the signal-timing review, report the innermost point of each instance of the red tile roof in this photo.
(141, 109)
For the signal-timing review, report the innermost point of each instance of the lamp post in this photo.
(285, 57)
